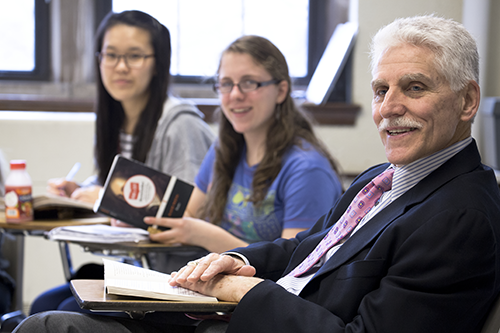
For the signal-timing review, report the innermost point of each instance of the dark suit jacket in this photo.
(429, 262)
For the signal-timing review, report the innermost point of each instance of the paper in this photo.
(98, 233)
(129, 280)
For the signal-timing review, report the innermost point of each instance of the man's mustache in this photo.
(398, 122)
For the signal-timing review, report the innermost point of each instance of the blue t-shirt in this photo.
(304, 190)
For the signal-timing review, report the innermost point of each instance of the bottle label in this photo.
(18, 204)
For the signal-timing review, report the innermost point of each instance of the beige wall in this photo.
(51, 143)
(491, 86)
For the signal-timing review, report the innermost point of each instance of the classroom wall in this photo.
(51, 147)
(51, 143)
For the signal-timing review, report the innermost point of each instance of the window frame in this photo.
(316, 43)
(41, 72)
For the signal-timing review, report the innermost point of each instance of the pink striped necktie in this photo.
(359, 207)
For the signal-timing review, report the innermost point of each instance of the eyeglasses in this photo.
(244, 86)
(132, 60)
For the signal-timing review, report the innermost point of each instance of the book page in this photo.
(124, 279)
(120, 271)
(51, 200)
(98, 234)
(103, 230)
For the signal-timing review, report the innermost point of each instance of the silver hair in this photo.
(455, 49)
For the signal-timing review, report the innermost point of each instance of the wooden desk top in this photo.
(47, 225)
(90, 295)
(139, 248)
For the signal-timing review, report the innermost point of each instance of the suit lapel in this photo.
(465, 161)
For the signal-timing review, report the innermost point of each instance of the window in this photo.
(24, 49)
(198, 36)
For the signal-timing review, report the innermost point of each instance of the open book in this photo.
(133, 191)
(49, 206)
(128, 280)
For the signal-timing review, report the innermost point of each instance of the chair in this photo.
(212, 326)
(492, 324)
(9, 321)
(11, 247)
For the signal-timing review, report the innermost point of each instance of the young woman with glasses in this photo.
(135, 115)
(267, 176)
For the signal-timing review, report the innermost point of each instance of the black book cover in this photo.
(134, 190)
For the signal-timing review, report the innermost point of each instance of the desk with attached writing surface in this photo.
(134, 251)
(90, 295)
(14, 245)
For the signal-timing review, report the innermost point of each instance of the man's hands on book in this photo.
(222, 276)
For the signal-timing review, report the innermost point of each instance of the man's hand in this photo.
(230, 288)
(206, 268)
(221, 276)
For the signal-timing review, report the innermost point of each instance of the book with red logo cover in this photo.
(133, 190)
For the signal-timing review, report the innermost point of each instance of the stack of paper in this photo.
(98, 233)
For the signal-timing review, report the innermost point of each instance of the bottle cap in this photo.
(17, 164)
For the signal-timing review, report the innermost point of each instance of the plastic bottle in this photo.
(18, 199)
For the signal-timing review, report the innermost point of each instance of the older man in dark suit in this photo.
(415, 250)
(427, 257)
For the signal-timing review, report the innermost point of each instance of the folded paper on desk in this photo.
(98, 233)
(128, 280)
(133, 191)
(49, 206)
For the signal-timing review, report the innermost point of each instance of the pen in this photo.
(72, 172)
(170, 187)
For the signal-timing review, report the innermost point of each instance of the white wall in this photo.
(51, 143)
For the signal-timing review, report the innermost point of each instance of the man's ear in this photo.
(471, 98)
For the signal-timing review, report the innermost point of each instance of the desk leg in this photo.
(145, 262)
(18, 302)
(66, 260)
(13, 250)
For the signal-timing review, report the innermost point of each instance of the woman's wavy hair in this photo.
(289, 127)
(109, 112)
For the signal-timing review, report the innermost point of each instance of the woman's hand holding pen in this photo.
(64, 187)
(61, 187)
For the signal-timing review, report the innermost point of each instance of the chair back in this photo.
(492, 324)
